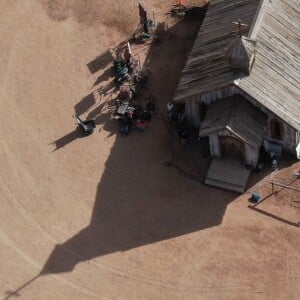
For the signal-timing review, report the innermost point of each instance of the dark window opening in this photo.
(276, 131)
(202, 110)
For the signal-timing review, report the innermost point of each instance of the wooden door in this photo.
(232, 148)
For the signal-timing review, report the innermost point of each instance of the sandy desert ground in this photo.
(104, 217)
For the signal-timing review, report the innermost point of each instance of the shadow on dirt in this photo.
(275, 191)
(107, 74)
(273, 216)
(100, 62)
(85, 104)
(67, 139)
(169, 204)
(124, 217)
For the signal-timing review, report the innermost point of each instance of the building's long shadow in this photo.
(137, 202)
(125, 215)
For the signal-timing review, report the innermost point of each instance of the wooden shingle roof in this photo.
(207, 67)
(274, 80)
(239, 117)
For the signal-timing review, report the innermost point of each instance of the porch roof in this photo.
(239, 117)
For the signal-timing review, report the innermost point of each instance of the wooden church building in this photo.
(241, 82)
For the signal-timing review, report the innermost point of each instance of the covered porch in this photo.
(236, 130)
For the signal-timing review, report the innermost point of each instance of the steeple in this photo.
(241, 54)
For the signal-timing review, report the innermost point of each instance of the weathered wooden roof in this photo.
(239, 117)
(274, 80)
(207, 67)
(241, 54)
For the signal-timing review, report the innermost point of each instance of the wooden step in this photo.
(227, 174)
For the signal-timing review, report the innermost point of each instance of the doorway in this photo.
(232, 148)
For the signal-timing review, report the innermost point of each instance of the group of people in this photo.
(176, 113)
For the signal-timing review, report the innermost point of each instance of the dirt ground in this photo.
(106, 217)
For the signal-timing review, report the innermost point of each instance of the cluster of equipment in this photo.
(131, 79)
(179, 10)
(146, 27)
(87, 126)
(129, 75)
(176, 112)
(130, 115)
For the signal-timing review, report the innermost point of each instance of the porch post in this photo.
(214, 145)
